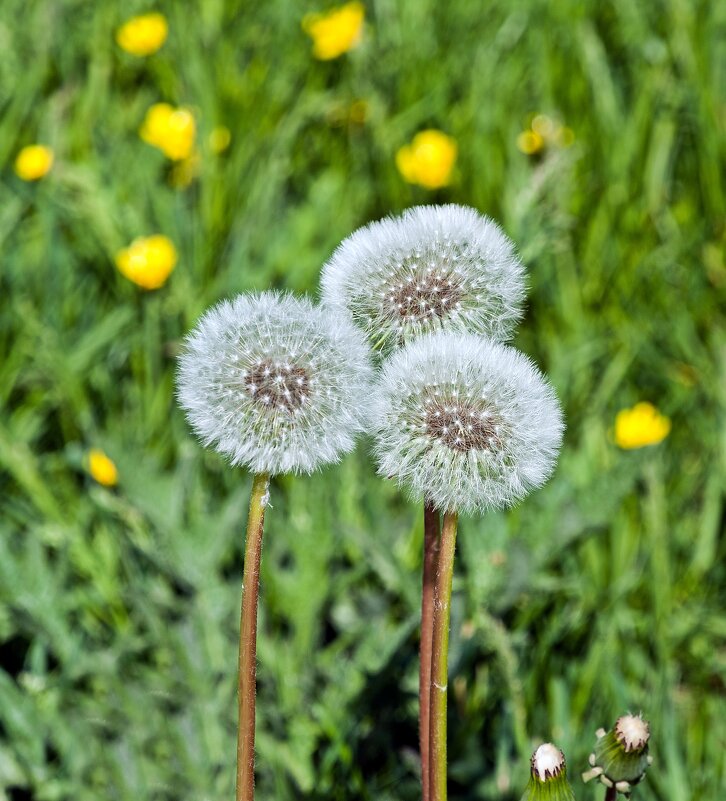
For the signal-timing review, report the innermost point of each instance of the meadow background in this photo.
(603, 592)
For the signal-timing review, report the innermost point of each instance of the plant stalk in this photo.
(432, 536)
(440, 657)
(611, 794)
(247, 665)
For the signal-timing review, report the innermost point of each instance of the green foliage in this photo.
(603, 593)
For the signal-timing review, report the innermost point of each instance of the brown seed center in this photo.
(461, 426)
(431, 294)
(278, 385)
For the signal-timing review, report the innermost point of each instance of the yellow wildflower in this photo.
(101, 468)
(640, 426)
(143, 35)
(219, 139)
(530, 142)
(170, 129)
(148, 261)
(185, 171)
(544, 132)
(335, 32)
(429, 159)
(33, 162)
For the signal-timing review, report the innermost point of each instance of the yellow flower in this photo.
(544, 132)
(101, 468)
(171, 130)
(428, 160)
(33, 162)
(530, 142)
(219, 139)
(143, 35)
(148, 261)
(642, 425)
(335, 32)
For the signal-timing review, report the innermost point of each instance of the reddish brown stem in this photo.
(432, 535)
(440, 657)
(247, 680)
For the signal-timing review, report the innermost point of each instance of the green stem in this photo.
(432, 536)
(248, 640)
(440, 657)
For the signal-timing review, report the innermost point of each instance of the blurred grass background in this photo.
(604, 592)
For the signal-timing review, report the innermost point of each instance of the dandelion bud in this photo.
(434, 268)
(465, 422)
(275, 383)
(621, 758)
(548, 776)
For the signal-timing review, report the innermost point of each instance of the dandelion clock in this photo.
(275, 385)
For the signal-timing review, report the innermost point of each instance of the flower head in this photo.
(275, 383)
(335, 32)
(433, 268)
(143, 35)
(33, 162)
(640, 426)
(548, 776)
(171, 130)
(621, 758)
(466, 422)
(429, 159)
(148, 261)
(101, 468)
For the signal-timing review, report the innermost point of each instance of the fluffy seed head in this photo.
(433, 268)
(466, 422)
(275, 383)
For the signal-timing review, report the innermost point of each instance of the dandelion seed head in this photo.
(433, 268)
(274, 383)
(466, 422)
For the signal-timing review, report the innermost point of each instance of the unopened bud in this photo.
(620, 758)
(548, 776)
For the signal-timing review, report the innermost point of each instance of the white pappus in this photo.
(275, 383)
(466, 422)
(433, 268)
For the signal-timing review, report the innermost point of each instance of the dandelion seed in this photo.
(621, 758)
(508, 447)
(434, 268)
(275, 383)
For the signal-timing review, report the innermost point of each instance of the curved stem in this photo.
(440, 657)
(430, 559)
(248, 640)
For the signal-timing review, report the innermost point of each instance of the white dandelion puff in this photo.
(465, 422)
(275, 383)
(433, 268)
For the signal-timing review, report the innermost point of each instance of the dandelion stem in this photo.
(432, 536)
(248, 641)
(611, 794)
(440, 657)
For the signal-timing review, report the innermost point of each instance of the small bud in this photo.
(548, 776)
(621, 758)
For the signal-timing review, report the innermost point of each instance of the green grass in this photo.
(603, 592)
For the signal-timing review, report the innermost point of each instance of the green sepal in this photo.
(618, 764)
(556, 788)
